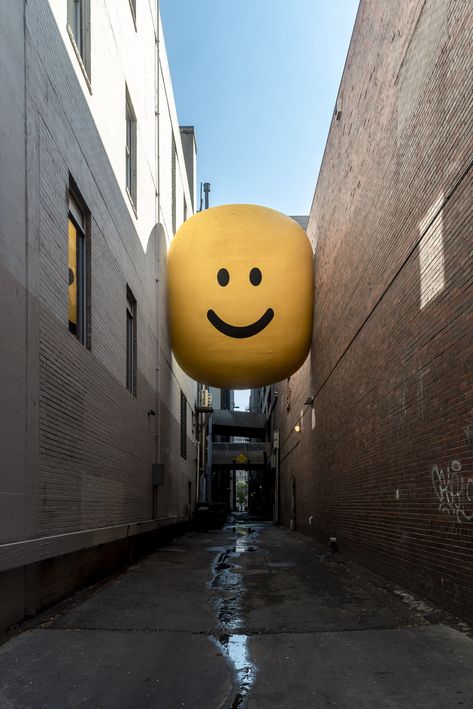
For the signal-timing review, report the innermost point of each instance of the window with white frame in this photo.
(133, 10)
(78, 25)
(130, 150)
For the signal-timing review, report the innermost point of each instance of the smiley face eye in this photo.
(255, 276)
(223, 277)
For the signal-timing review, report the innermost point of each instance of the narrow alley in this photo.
(236, 364)
(248, 616)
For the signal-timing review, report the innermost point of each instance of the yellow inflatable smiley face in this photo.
(240, 296)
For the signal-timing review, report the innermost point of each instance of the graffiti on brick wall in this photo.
(454, 490)
(468, 431)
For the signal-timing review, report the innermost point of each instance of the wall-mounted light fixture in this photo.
(297, 425)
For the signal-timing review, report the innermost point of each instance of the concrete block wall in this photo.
(384, 460)
(76, 474)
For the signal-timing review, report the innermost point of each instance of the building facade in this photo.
(383, 460)
(98, 426)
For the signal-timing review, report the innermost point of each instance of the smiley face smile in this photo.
(243, 331)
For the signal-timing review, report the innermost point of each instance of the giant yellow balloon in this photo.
(240, 296)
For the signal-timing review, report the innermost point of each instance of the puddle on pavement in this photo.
(281, 564)
(244, 536)
(235, 648)
(226, 583)
(228, 590)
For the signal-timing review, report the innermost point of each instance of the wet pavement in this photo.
(248, 616)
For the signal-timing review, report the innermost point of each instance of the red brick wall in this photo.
(388, 466)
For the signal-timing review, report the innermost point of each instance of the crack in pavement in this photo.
(227, 591)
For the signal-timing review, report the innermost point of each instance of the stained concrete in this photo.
(249, 616)
(408, 667)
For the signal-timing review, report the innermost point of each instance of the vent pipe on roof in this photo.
(206, 194)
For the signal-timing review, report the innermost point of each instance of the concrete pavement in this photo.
(248, 616)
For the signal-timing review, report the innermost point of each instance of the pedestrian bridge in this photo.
(238, 423)
(240, 455)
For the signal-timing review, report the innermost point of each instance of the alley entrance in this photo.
(241, 455)
(241, 490)
(247, 616)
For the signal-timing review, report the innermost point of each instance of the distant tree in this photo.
(241, 493)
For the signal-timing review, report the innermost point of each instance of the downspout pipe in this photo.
(207, 194)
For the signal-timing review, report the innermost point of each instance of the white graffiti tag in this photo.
(454, 491)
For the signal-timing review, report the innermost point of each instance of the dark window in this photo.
(130, 150)
(225, 398)
(183, 426)
(130, 342)
(77, 261)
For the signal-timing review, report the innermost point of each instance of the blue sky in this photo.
(258, 79)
